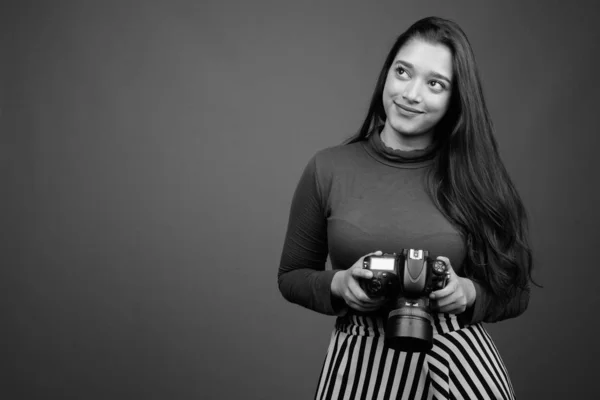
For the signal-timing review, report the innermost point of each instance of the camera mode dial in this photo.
(439, 267)
(374, 285)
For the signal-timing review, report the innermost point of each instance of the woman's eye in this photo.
(437, 85)
(400, 71)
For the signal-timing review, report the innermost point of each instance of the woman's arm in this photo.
(473, 302)
(302, 277)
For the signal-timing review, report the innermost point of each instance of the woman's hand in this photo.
(345, 284)
(458, 294)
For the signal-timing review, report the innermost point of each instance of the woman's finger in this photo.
(454, 308)
(360, 306)
(447, 300)
(447, 290)
(360, 295)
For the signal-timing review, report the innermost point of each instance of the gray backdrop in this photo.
(149, 155)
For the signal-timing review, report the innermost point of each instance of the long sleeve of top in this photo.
(354, 199)
(302, 275)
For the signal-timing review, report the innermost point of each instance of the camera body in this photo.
(406, 279)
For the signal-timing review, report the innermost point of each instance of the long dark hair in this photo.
(468, 182)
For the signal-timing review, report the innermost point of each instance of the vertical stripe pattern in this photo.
(464, 363)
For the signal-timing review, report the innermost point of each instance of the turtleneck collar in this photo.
(397, 158)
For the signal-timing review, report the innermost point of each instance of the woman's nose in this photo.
(411, 92)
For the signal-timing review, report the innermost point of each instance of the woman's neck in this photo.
(398, 141)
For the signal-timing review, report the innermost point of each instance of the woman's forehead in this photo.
(426, 57)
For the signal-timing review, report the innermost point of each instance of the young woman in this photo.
(422, 173)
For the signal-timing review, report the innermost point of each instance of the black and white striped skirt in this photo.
(463, 364)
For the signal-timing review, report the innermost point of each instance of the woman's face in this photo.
(417, 90)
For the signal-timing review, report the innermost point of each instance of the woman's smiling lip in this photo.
(409, 109)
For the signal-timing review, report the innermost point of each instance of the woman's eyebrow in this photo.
(433, 74)
(440, 76)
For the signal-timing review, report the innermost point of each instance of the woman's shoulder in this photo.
(339, 155)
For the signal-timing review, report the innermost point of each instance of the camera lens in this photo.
(409, 328)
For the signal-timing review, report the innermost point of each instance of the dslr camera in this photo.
(406, 280)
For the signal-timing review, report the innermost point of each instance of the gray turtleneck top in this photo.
(358, 198)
